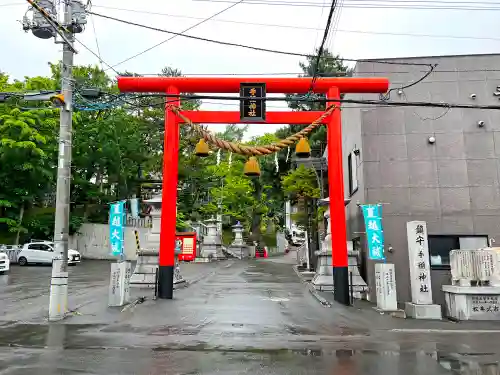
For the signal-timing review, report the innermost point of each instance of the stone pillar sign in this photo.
(385, 285)
(421, 306)
(119, 286)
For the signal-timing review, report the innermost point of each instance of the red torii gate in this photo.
(332, 87)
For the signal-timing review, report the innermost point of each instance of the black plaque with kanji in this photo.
(252, 109)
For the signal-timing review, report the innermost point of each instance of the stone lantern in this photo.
(211, 248)
(238, 247)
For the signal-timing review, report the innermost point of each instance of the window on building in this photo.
(353, 173)
(441, 245)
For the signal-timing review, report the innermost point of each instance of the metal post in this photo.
(59, 280)
(351, 288)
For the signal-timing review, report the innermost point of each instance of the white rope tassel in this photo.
(218, 156)
(230, 159)
(276, 162)
(287, 154)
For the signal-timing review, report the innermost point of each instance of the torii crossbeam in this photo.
(332, 87)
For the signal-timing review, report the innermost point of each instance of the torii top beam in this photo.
(232, 84)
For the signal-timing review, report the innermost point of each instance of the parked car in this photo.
(43, 252)
(4, 262)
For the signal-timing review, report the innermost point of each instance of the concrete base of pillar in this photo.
(323, 278)
(423, 311)
(322, 282)
(144, 275)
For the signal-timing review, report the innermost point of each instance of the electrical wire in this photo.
(302, 27)
(323, 100)
(251, 47)
(181, 33)
(339, 73)
(96, 40)
(96, 55)
(378, 4)
(322, 45)
(387, 95)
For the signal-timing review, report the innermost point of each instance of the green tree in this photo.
(301, 185)
(27, 162)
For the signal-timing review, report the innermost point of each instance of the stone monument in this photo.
(385, 287)
(211, 247)
(421, 305)
(475, 290)
(238, 247)
(144, 275)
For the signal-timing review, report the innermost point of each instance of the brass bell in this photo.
(251, 168)
(303, 150)
(201, 149)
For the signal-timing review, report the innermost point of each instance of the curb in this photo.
(311, 289)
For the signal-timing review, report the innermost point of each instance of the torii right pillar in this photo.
(336, 194)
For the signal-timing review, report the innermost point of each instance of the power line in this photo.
(250, 47)
(302, 27)
(445, 5)
(323, 100)
(97, 42)
(181, 33)
(322, 45)
(96, 55)
(337, 73)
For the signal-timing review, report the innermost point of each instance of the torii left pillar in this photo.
(169, 198)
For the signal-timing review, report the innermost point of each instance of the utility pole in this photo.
(44, 25)
(58, 304)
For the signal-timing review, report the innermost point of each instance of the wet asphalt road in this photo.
(236, 317)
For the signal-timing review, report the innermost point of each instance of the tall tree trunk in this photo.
(21, 215)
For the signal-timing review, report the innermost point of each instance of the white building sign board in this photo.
(418, 253)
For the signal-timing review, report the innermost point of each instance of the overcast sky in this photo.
(361, 31)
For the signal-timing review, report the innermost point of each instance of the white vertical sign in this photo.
(385, 283)
(418, 254)
(119, 286)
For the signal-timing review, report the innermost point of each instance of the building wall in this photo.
(452, 184)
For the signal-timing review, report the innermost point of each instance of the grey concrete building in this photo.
(433, 164)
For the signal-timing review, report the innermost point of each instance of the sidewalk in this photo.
(363, 313)
(95, 310)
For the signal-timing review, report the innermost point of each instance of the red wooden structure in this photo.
(332, 87)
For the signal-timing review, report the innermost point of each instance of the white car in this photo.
(4, 262)
(43, 252)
